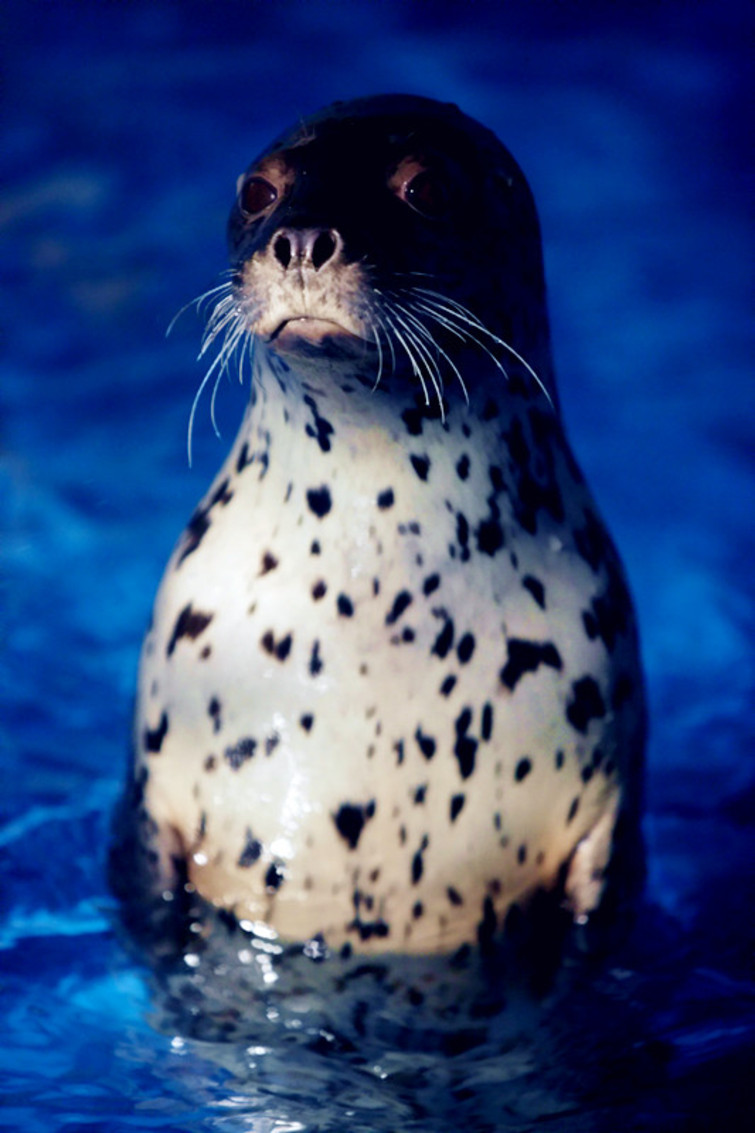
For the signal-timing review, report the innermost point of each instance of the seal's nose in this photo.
(306, 247)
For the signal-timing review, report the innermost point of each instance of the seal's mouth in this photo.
(307, 329)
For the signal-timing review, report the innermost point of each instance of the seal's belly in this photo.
(377, 728)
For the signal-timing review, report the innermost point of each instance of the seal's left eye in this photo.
(256, 195)
(426, 194)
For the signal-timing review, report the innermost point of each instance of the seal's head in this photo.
(394, 220)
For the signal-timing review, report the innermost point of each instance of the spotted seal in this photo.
(391, 686)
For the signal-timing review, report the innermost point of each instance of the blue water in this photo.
(122, 130)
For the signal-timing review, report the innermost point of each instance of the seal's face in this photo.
(391, 221)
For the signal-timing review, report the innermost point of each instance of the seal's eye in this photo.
(256, 195)
(426, 194)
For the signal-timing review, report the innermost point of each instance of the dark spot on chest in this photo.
(350, 820)
(425, 743)
(190, 623)
(457, 802)
(462, 467)
(316, 663)
(536, 589)
(586, 704)
(345, 606)
(237, 754)
(275, 877)
(418, 864)
(269, 562)
(153, 738)
(319, 501)
(400, 603)
(421, 465)
(526, 657)
(320, 429)
(386, 499)
(214, 712)
(251, 851)
(199, 523)
(523, 768)
(445, 639)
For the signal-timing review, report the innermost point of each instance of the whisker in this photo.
(425, 333)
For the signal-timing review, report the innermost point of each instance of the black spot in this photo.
(526, 657)
(523, 768)
(431, 583)
(319, 500)
(271, 743)
(278, 649)
(189, 623)
(572, 810)
(210, 763)
(350, 821)
(425, 743)
(251, 852)
(448, 685)
(486, 725)
(419, 794)
(417, 863)
(316, 663)
(462, 535)
(269, 562)
(490, 537)
(274, 877)
(591, 542)
(559, 760)
(536, 589)
(462, 467)
(199, 524)
(496, 479)
(457, 802)
(243, 459)
(400, 603)
(445, 639)
(421, 465)
(321, 429)
(412, 418)
(586, 704)
(465, 750)
(521, 854)
(407, 634)
(213, 711)
(417, 910)
(315, 547)
(398, 747)
(465, 648)
(153, 739)
(319, 590)
(306, 721)
(345, 606)
(238, 753)
(454, 896)
(609, 614)
(386, 499)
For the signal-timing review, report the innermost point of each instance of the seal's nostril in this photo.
(323, 248)
(282, 250)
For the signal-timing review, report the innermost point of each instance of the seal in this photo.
(391, 687)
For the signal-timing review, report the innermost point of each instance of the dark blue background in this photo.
(123, 128)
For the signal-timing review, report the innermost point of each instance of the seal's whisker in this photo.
(376, 336)
(427, 334)
(451, 306)
(388, 338)
(425, 355)
(416, 369)
(199, 302)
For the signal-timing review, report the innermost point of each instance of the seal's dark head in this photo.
(395, 220)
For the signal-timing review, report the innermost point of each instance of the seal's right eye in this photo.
(257, 194)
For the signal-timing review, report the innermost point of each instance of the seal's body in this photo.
(391, 686)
